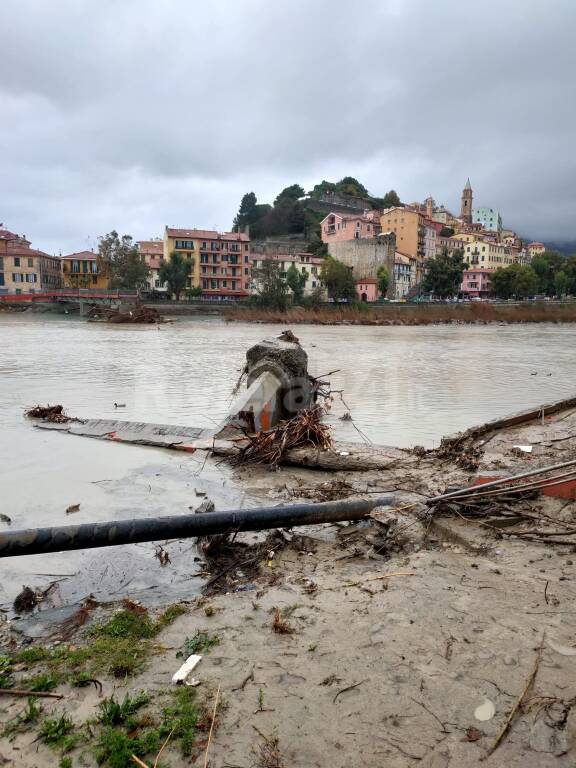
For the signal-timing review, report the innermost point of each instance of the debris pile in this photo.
(52, 413)
(305, 429)
(501, 505)
(331, 490)
(462, 450)
(137, 314)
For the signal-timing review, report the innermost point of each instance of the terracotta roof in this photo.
(151, 246)
(153, 262)
(5, 234)
(536, 245)
(206, 234)
(23, 250)
(366, 281)
(81, 256)
(399, 258)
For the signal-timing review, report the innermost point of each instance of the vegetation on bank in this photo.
(410, 314)
(137, 724)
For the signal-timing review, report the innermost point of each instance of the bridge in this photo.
(70, 295)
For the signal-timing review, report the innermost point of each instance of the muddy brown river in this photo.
(404, 386)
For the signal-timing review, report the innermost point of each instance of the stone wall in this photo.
(366, 256)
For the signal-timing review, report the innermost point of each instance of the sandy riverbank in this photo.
(372, 671)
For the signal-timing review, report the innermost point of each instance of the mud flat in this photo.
(402, 640)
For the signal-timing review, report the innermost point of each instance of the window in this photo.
(30, 262)
(18, 291)
(94, 267)
(246, 260)
(224, 283)
(184, 245)
(213, 284)
(313, 283)
(95, 279)
(214, 270)
(31, 278)
(84, 267)
(75, 267)
(233, 285)
(214, 258)
(203, 258)
(16, 277)
(223, 270)
(204, 270)
(246, 246)
(1, 278)
(246, 271)
(224, 257)
(16, 261)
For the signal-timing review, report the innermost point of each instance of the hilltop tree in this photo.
(444, 273)
(352, 187)
(383, 280)
(317, 247)
(119, 258)
(176, 272)
(296, 281)
(337, 278)
(251, 214)
(292, 193)
(271, 288)
(391, 199)
(324, 188)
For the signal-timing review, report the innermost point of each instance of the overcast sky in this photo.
(133, 114)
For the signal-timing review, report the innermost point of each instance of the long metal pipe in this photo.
(500, 481)
(35, 541)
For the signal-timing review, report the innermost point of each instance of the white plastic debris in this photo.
(563, 650)
(181, 674)
(485, 711)
(523, 448)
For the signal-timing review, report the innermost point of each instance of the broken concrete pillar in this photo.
(278, 385)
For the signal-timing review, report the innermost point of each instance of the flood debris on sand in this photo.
(136, 314)
(52, 413)
(305, 429)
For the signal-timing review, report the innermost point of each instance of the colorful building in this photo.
(83, 270)
(337, 227)
(476, 283)
(403, 280)
(221, 262)
(535, 249)
(152, 252)
(454, 243)
(488, 255)
(413, 236)
(489, 218)
(306, 263)
(367, 289)
(25, 270)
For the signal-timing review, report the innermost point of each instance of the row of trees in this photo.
(550, 274)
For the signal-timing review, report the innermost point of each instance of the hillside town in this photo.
(400, 241)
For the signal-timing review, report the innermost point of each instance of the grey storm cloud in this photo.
(133, 114)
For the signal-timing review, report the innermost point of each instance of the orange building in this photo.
(83, 270)
(25, 270)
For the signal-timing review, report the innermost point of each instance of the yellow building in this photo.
(410, 229)
(487, 255)
(221, 261)
(24, 270)
(82, 270)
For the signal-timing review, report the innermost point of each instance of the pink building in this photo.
(338, 227)
(367, 289)
(476, 283)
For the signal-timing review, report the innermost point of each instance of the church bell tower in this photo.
(466, 204)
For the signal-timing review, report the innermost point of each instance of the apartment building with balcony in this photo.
(83, 270)
(415, 236)
(488, 255)
(25, 270)
(221, 261)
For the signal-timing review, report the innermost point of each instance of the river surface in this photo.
(403, 385)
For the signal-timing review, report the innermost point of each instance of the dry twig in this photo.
(217, 697)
